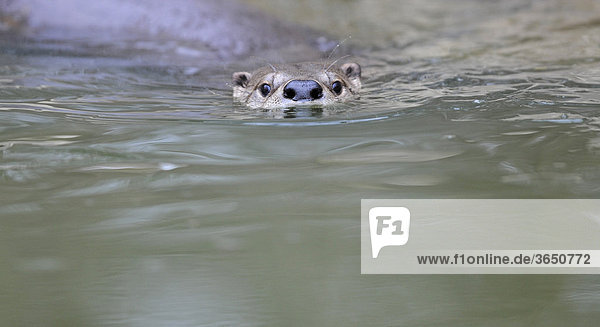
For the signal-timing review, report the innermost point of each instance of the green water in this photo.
(139, 195)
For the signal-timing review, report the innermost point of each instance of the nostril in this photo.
(302, 90)
(289, 93)
(316, 93)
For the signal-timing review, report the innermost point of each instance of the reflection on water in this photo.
(138, 194)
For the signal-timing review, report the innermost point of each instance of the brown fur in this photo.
(246, 85)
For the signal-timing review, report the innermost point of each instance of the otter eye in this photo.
(337, 87)
(265, 89)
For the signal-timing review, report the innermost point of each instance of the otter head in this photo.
(291, 85)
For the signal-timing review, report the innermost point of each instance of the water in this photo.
(137, 194)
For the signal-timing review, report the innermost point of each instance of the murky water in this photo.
(137, 194)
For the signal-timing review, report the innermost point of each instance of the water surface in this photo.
(135, 193)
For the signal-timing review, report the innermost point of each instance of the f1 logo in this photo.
(389, 226)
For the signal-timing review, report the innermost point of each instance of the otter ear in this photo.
(241, 78)
(351, 69)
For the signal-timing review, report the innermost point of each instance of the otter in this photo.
(300, 84)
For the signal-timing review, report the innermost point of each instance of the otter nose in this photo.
(303, 90)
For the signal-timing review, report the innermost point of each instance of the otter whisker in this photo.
(210, 91)
(249, 94)
(335, 49)
(335, 61)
